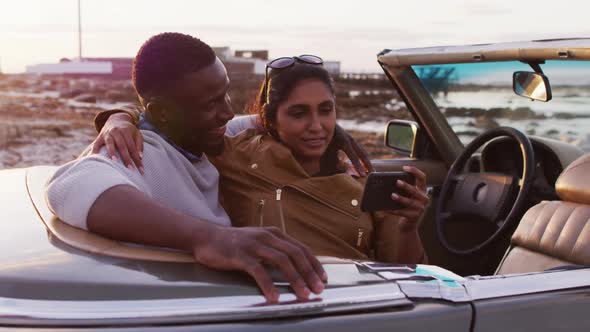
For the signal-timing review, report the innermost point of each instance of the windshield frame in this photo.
(397, 64)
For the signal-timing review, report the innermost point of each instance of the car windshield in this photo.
(475, 97)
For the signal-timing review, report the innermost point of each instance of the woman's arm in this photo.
(396, 244)
(118, 131)
(396, 232)
(102, 117)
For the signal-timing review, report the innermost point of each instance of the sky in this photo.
(350, 31)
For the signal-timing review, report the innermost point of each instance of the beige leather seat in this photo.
(555, 233)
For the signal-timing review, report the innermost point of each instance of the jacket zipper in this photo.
(281, 217)
(359, 239)
(260, 213)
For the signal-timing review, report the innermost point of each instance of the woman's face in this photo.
(306, 119)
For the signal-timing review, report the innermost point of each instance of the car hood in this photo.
(36, 264)
(45, 281)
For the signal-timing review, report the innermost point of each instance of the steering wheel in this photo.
(486, 197)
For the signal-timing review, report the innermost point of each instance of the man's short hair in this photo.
(165, 58)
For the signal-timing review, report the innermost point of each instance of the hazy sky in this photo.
(43, 31)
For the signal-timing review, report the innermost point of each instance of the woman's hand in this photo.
(360, 162)
(415, 201)
(119, 134)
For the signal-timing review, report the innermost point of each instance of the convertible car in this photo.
(507, 233)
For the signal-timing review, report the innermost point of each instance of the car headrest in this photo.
(573, 185)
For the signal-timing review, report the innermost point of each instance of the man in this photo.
(183, 88)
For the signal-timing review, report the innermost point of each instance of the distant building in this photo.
(333, 67)
(243, 62)
(240, 62)
(223, 52)
(111, 68)
(252, 54)
(66, 67)
(120, 67)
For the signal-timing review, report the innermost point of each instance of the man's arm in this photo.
(126, 214)
(103, 196)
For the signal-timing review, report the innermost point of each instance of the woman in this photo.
(287, 176)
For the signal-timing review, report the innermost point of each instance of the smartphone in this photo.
(378, 190)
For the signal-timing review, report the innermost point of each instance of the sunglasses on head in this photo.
(286, 62)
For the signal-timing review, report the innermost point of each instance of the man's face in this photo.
(201, 108)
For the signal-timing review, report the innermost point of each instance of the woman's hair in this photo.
(281, 82)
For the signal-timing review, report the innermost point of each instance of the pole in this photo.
(79, 32)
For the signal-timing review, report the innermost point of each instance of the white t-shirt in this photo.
(170, 179)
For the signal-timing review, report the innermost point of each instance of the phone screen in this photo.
(378, 190)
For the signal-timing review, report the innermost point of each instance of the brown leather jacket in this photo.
(261, 184)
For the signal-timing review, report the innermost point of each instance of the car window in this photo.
(475, 97)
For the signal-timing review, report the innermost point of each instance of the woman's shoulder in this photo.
(252, 141)
(243, 136)
(249, 137)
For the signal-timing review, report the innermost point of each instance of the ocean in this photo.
(482, 87)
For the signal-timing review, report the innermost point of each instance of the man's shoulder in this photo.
(151, 138)
(154, 143)
(157, 152)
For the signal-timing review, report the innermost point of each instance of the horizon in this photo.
(37, 31)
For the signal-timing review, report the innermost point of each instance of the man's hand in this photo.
(355, 152)
(120, 134)
(250, 249)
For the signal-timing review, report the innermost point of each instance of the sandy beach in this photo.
(49, 121)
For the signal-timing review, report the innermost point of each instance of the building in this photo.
(333, 67)
(243, 62)
(110, 68)
(71, 68)
(240, 62)
(120, 67)
(254, 61)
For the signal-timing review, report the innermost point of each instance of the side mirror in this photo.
(531, 85)
(401, 136)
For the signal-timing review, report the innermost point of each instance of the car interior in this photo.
(554, 233)
(549, 229)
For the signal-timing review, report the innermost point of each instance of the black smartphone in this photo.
(378, 190)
